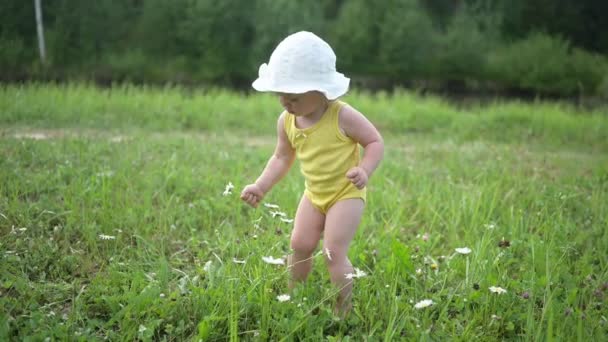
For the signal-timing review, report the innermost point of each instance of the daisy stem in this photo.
(466, 277)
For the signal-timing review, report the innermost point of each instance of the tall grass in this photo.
(127, 107)
(114, 226)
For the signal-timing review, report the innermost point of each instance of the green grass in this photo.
(148, 166)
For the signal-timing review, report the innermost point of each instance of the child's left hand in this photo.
(358, 176)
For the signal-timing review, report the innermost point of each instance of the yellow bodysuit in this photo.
(325, 155)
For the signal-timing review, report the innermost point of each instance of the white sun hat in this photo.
(302, 62)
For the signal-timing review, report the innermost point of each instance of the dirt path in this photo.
(116, 137)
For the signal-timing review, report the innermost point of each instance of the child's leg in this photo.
(308, 226)
(341, 223)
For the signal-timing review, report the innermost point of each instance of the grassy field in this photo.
(114, 224)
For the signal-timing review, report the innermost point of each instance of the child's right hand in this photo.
(252, 195)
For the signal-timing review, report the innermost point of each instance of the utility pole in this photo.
(40, 31)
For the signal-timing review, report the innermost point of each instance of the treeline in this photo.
(555, 47)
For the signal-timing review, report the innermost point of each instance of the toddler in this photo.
(325, 134)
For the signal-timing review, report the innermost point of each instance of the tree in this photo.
(40, 29)
(407, 40)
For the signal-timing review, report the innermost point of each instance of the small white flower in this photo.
(162, 295)
(106, 237)
(273, 261)
(497, 289)
(286, 220)
(228, 189)
(423, 304)
(464, 250)
(496, 317)
(425, 237)
(237, 261)
(283, 297)
(271, 206)
(419, 271)
(490, 226)
(105, 174)
(278, 213)
(358, 274)
(327, 253)
(142, 328)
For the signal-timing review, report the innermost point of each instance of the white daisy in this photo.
(237, 261)
(273, 261)
(286, 220)
(105, 174)
(278, 213)
(497, 289)
(358, 274)
(271, 206)
(464, 250)
(283, 297)
(423, 304)
(207, 266)
(228, 189)
(106, 237)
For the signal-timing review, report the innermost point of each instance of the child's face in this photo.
(302, 104)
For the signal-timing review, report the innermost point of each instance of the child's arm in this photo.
(277, 167)
(357, 127)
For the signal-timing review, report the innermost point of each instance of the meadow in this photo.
(117, 221)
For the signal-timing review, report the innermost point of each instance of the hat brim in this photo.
(334, 88)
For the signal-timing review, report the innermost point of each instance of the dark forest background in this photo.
(546, 47)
